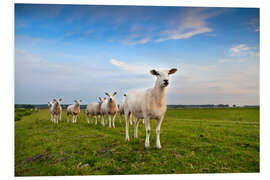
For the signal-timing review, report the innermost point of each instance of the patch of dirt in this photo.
(38, 157)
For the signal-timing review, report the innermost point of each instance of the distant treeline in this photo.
(64, 106)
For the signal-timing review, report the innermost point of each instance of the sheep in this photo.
(109, 108)
(94, 109)
(121, 112)
(56, 110)
(73, 110)
(148, 104)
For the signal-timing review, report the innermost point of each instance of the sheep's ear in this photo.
(154, 72)
(114, 93)
(49, 103)
(54, 99)
(80, 100)
(107, 94)
(60, 99)
(104, 98)
(99, 98)
(173, 70)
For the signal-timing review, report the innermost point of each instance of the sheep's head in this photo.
(77, 102)
(50, 103)
(57, 101)
(111, 96)
(101, 100)
(163, 76)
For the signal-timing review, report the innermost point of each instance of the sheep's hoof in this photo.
(147, 146)
(159, 147)
(127, 139)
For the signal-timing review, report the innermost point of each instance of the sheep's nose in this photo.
(166, 82)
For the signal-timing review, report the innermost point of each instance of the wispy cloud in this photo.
(190, 23)
(131, 68)
(239, 48)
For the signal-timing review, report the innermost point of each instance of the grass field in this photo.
(193, 141)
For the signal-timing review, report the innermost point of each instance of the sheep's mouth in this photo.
(165, 84)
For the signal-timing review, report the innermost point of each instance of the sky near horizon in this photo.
(82, 51)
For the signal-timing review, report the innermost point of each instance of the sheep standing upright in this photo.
(148, 104)
(94, 109)
(73, 110)
(109, 108)
(56, 110)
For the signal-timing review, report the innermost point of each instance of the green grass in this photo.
(193, 141)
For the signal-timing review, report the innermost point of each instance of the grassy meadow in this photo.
(193, 141)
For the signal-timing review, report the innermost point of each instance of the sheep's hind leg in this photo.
(136, 123)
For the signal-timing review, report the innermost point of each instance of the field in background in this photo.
(193, 141)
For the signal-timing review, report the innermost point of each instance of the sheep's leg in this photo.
(127, 116)
(120, 118)
(76, 118)
(51, 117)
(60, 116)
(96, 119)
(113, 120)
(147, 128)
(102, 120)
(159, 122)
(136, 123)
(143, 120)
(110, 119)
(87, 117)
(130, 119)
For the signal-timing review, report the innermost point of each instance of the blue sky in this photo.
(80, 51)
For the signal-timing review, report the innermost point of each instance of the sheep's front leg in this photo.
(113, 120)
(143, 120)
(102, 120)
(60, 116)
(87, 117)
(96, 119)
(147, 128)
(159, 122)
(76, 118)
(137, 120)
(127, 116)
(110, 119)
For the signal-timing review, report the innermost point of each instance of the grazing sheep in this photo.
(56, 110)
(109, 108)
(148, 104)
(73, 110)
(94, 109)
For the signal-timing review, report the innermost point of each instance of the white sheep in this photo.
(109, 108)
(56, 110)
(94, 109)
(73, 110)
(121, 112)
(148, 104)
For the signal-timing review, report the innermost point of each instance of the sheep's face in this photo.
(50, 103)
(78, 101)
(111, 96)
(101, 100)
(163, 76)
(57, 101)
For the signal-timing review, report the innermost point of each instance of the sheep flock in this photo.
(137, 105)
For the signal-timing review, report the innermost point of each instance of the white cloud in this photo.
(239, 48)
